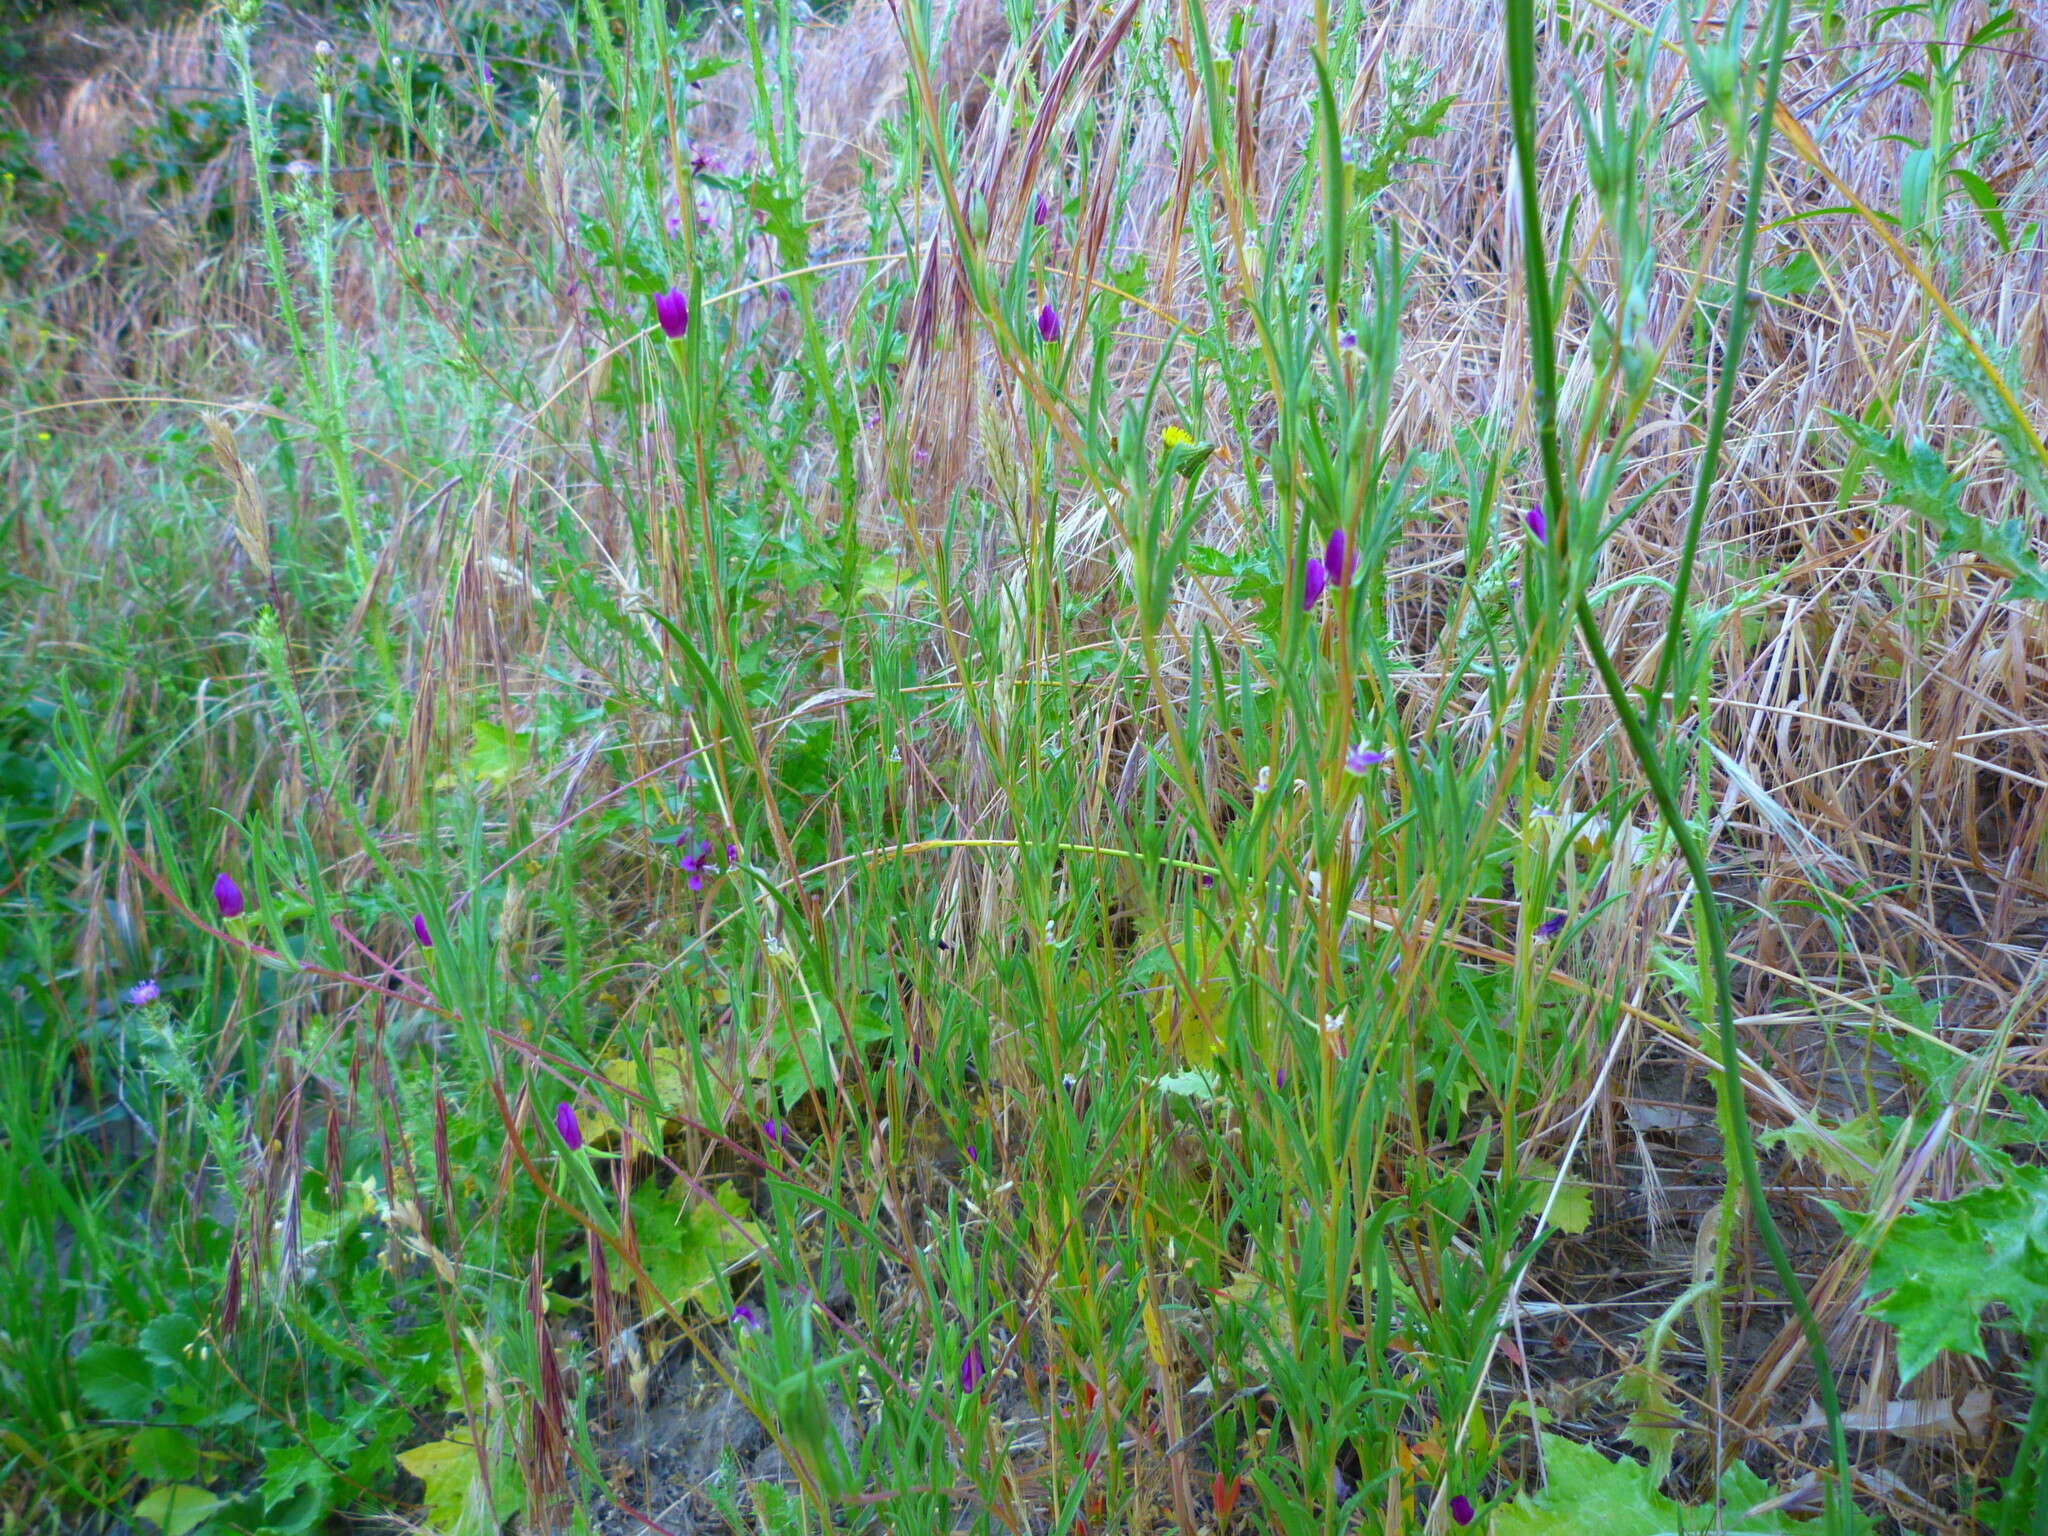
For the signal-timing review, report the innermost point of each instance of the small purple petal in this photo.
(143, 993)
(419, 930)
(972, 1369)
(1461, 1509)
(1041, 211)
(227, 896)
(747, 1320)
(1313, 583)
(1048, 325)
(973, 1154)
(776, 1131)
(1550, 927)
(1539, 525)
(672, 311)
(1348, 340)
(1361, 758)
(1337, 560)
(567, 1126)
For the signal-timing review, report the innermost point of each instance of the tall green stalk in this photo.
(1640, 731)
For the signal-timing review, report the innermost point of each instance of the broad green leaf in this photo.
(163, 1455)
(686, 1244)
(1584, 1491)
(177, 1508)
(449, 1470)
(117, 1380)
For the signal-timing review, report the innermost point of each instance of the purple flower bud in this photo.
(489, 78)
(1538, 523)
(227, 896)
(419, 930)
(974, 1154)
(1360, 758)
(1048, 325)
(143, 993)
(1313, 581)
(1461, 1509)
(1279, 1077)
(972, 1369)
(419, 227)
(1041, 211)
(747, 1320)
(672, 309)
(1337, 560)
(1348, 340)
(1550, 927)
(567, 1126)
(776, 1131)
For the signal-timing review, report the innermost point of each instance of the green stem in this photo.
(1743, 1143)
(1521, 68)
(1731, 357)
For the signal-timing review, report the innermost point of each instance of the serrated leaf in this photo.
(177, 1508)
(1916, 478)
(686, 1243)
(1584, 1491)
(1945, 1261)
(496, 752)
(117, 1380)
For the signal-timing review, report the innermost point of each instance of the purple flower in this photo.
(1279, 1077)
(1362, 757)
(419, 227)
(1461, 1509)
(227, 896)
(776, 1131)
(1538, 523)
(1041, 211)
(672, 309)
(1550, 927)
(972, 1369)
(489, 78)
(419, 930)
(1048, 324)
(694, 864)
(1313, 581)
(567, 1126)
(1348, 340)
(1338, 559)
(143, 993)
(974, 1154)
(747, 1320)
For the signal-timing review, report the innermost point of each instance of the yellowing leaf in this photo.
(1572, 1210)
(496, 753)
(176, 1508)
(670, 1083)
(1193, 1001)
(449, 1469)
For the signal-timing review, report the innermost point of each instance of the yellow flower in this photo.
(1173, 437)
